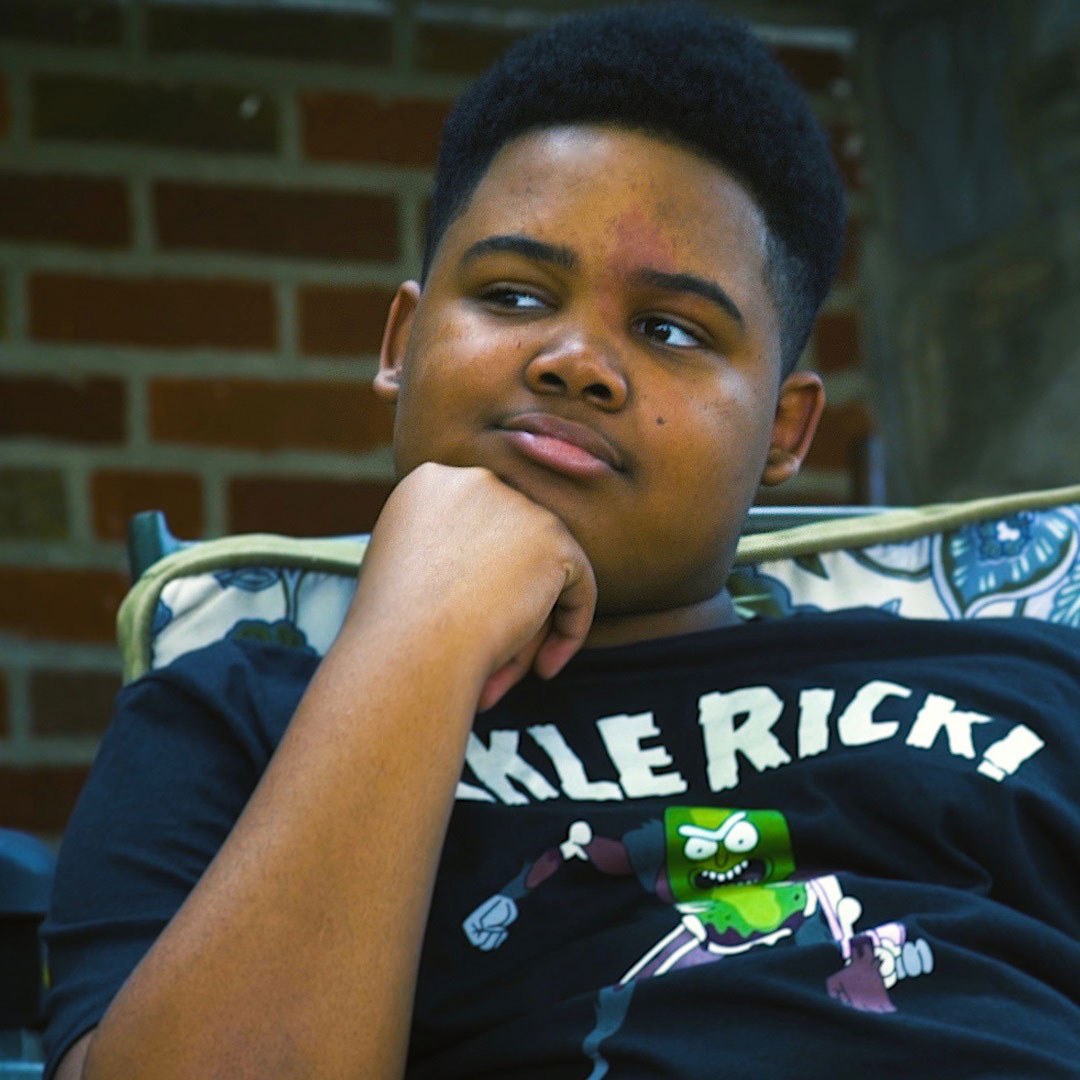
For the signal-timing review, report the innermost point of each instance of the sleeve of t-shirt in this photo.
(182, 754)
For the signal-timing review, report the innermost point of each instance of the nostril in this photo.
(549, 378)
(600, 391)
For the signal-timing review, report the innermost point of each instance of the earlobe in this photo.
(396, 340)
(798, 410)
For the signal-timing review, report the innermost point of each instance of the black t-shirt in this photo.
(833, 845)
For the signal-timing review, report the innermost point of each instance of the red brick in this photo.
(117, 494)
(81, 210)
(815, 70)
(304, 223)
(272, 30)
(305, 506)
(5, 108)
(847, 149)
(80, 410)
(62, 22)
(268, 415)
(39, 799)
(461, 48)
(361, 127)
(222, 119)
(71, 702)
(164, 312)
(836, 341)
(842, 431)
(342, 320)
(60, 604)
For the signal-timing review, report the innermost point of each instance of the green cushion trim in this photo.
(136, 614)
(894, 526)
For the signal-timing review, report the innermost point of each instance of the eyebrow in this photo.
(690, 283)
(516, 244)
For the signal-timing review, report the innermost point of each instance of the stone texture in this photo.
(5, 108)
(355, 38)
(90, 410)
(342, 320)
(60, 604)
(224, 119)
(117, 494)
(304, 506)
(339, 126)
(155, 312)
(268, 415)
(62, 22)
(39, 798)
(33, 505)
(76, 703)
(305, 223)
(851, 257)
(973, 262)
(847, 149)
(47, 208)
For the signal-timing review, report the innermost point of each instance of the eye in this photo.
(514, 299)
(698, 848)
(668, 332)
(741, 838)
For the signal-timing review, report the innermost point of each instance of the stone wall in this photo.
(972, 119)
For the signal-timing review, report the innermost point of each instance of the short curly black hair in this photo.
(684, 74)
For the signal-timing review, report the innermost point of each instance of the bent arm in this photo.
(296, 953)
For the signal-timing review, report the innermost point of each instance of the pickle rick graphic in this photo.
(729, 874)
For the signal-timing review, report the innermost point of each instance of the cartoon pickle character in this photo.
(729, 874)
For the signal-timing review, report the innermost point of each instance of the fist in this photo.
(487, 926)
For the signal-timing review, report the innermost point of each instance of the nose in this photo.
(579, 365)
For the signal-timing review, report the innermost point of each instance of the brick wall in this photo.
(203, 212)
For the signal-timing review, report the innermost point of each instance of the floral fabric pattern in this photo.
(1020, 564)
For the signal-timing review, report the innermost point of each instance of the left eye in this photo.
(667, 332)
(742, 837)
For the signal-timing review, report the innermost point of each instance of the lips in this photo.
(562, 445)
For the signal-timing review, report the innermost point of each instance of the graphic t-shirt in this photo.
(835, 845)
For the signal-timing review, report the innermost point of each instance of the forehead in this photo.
(618, 191)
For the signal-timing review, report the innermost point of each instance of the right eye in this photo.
(515, 299)
(698, 848)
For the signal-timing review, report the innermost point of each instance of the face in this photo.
(729, 867)
(597, 330)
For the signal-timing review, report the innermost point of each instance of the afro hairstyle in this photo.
(686, 75)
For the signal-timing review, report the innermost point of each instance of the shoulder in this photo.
(237, 682)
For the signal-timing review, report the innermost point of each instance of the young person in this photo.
(463, 845)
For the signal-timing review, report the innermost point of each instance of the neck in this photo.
(708, 614)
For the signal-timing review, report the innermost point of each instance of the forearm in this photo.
(296, 953)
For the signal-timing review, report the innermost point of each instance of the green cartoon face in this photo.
(728, 866)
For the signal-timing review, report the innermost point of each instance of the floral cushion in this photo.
(1012, 556)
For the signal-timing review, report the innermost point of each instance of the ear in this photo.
(395, 340)
(801, 401)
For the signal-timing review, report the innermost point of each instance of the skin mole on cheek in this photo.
(660, 421)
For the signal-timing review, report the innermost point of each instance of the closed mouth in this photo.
(570, 432)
